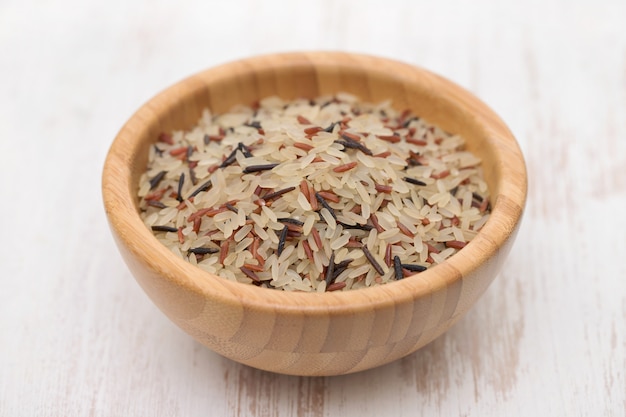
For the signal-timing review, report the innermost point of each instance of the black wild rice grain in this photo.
(164, 229)
(244, 150)
(358, 226)
(364, 149)
(204, 187)
(324, 204)
(340, 267)
(352, 144)
(278, 193)
(154, 181)
(330, 128)
(414, 268)
(290, 220)
(397, 268)
(414, 181)
(181, 182)
(203, 251)
(330, 269)
(281, 240)
(192, 176)
(258, 168)
(373, 261)
(255, 124)
(232, 157)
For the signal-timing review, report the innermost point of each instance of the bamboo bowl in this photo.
(328, 333)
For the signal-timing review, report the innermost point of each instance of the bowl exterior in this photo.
(315, 334)
(310, 343)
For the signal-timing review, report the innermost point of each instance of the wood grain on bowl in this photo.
(329, 333)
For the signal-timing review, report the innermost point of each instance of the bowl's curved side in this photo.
(315, 334)
(320, 341)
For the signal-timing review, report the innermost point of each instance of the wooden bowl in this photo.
(309, 333)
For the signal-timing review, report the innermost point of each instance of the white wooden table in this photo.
(78, 336)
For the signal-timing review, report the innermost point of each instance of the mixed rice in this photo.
(313, 195)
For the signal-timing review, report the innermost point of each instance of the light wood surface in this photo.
(78, 336)
(316, 334)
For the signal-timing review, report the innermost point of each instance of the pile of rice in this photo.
(313, 195)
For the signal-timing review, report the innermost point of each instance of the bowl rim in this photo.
(131, 232)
